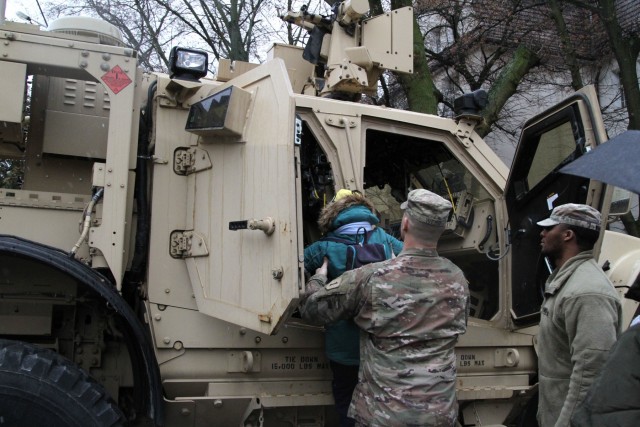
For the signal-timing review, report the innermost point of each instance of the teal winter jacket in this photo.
(342, 338)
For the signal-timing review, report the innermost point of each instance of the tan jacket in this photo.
(579, 323)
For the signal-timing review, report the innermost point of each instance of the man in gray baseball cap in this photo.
(580, 315)
(583, 216)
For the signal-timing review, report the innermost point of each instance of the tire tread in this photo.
(47, 366)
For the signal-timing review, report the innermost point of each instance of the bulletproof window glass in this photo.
(554, 148)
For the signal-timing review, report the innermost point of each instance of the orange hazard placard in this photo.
(116, 79)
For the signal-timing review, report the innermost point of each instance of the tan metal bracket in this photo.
(345, 123)
(506, 358)
(187, 244)
(177, 92)
(190, 160)
(244, 361)
(465, 128)
(340, 121)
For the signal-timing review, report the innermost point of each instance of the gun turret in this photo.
(350, 51)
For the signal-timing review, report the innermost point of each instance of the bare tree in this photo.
(145, 27)
(624, 42)
(466, 45)
(231, 29)
(568, 44)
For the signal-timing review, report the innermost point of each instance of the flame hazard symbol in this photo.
(116, 79)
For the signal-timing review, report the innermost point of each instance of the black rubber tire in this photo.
(38, 387)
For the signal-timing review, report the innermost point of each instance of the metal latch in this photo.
(268, 225)
(187, 244)
(188, 160)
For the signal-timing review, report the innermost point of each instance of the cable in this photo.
(446, 184)
(87, 221)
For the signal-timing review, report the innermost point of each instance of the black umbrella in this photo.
(616, 162)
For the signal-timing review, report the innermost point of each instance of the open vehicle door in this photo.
(548, 142)
(245, 205)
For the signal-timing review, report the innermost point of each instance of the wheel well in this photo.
(51, 289)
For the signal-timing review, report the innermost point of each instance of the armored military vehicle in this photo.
(151, 249)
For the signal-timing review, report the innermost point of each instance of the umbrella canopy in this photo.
(616, 162)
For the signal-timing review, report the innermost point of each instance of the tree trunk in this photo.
(626, 51)
(506, 85)
(567, 46)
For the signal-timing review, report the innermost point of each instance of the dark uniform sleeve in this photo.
(340, 299)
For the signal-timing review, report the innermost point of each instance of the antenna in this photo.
(46, 24)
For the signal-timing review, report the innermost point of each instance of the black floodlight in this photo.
(470, 104)
(188, 64)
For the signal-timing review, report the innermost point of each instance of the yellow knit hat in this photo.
(343, 192)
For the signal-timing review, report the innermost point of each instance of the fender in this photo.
(621, 253)
(148, 386)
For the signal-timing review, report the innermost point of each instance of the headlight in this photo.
(188, 63)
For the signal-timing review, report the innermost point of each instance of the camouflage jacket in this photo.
(410, 311)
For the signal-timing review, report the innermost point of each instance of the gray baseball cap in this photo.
(427, 207)
(574, 214)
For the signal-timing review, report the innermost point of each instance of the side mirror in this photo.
(620, 202)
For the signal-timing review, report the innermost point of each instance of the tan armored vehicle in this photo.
(151, 255)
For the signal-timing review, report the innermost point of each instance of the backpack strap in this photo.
(365, 239)
(337, 240)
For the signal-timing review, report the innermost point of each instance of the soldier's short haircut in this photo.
(424, 232)
(585, 238)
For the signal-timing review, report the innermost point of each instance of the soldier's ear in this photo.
(404, 224)
(568, 234)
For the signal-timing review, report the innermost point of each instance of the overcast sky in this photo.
(28, 7)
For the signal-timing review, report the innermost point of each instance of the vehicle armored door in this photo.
(535, 187)
(245, 206)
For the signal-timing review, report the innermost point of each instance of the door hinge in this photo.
(465, 128)
(190, 160)
(187, 244)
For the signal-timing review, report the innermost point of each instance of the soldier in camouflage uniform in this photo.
(410, 311)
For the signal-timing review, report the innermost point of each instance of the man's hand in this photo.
(317, 282)
(323, 268)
